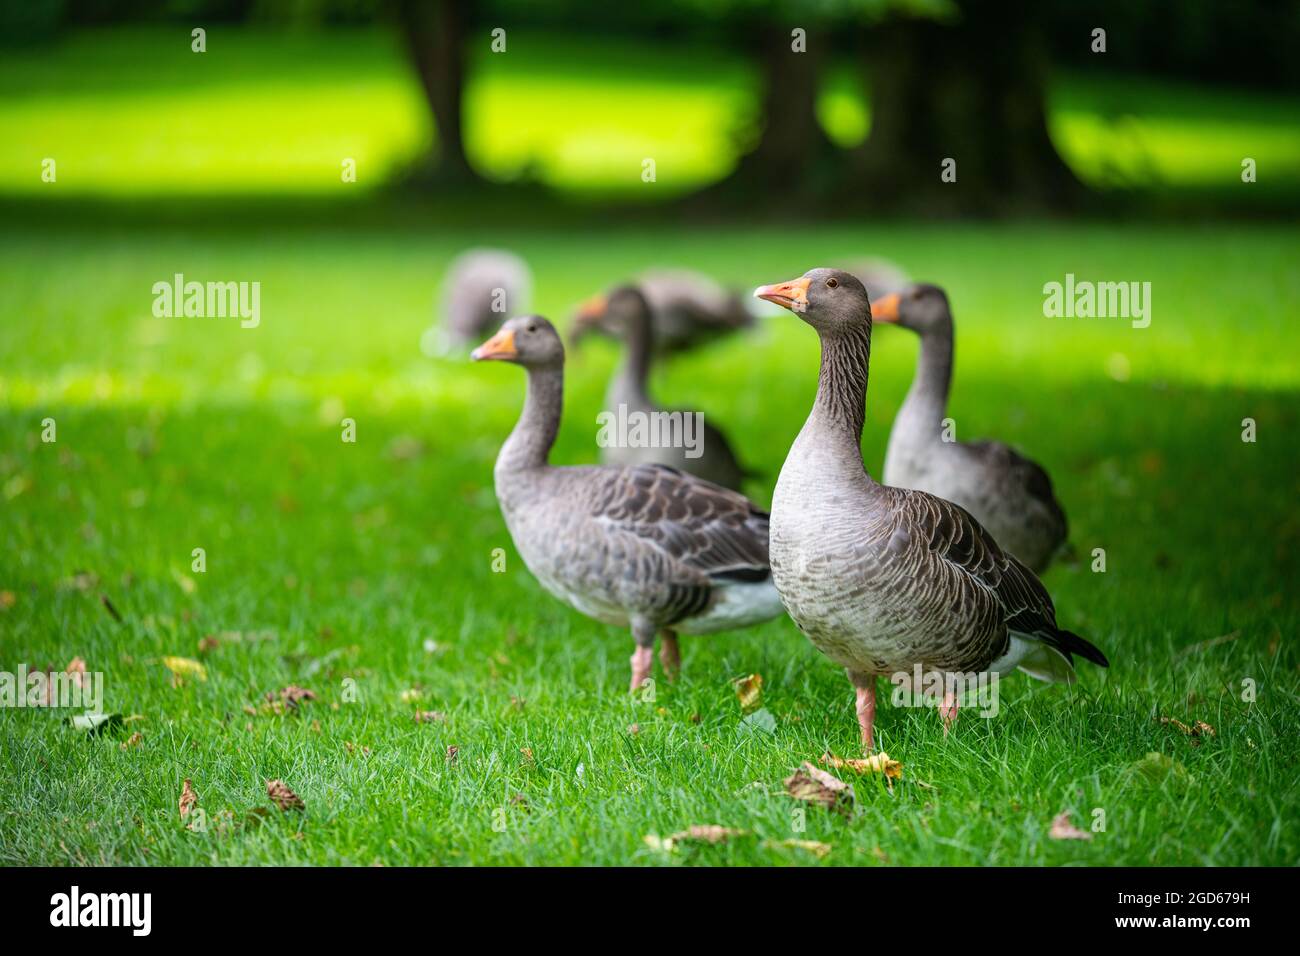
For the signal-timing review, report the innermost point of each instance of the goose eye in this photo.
(832, 282)
(532, 328)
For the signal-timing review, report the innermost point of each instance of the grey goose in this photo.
(1008, 494)
(480, 289)
(884, 580)
(626, 313)
(687, 309)
(645, 547)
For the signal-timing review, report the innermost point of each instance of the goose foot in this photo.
(948, 711)
(670, 656)
(642, 665)
(865, 686)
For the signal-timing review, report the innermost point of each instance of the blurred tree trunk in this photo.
(791, 147)
(434, 31)
(972, 90)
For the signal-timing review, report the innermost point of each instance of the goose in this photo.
(481, 288)
(708, 455)
(686, 307)
(645, 547)
(882, 580)
(1008, 494)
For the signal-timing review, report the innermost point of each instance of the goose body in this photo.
(481, 288)
(884, 579)
(645, 547)
(1009, 494)
(626, 313)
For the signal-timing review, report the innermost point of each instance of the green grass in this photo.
(330, 563)
(135, 112)
(184, 433)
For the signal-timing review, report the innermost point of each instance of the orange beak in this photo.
(885, 309)
(500, 346)
(792, 295)
(592, 309)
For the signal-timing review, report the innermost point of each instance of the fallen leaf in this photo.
(188, 799)
(520, 801)
(7, 600)
(760, 719)
(633, 729)
(707, 833)
(182, 667)
(1157, 769)
(749, 691)
(815, 847)
(452, 750)
(815, 785)
(527, 753)
(208, 643)
(1196, 730)
(282, 796)
(132, 741)
(876, 763)
(429, 716)
(291, 696)
(77, 670)
(1063, 829)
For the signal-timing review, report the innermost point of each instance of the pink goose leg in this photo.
(865, 685)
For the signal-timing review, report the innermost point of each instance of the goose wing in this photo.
(957, 539)
(695, 524)
(1024, 473)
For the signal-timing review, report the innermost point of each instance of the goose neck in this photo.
(529, 445)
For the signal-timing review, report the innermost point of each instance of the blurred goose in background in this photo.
(883, 580)
(481, 288)
(626, 313)
(878, 276)
(687, 309)
(645, 547)
(1010, 495)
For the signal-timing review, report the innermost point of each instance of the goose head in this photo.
(529, 340)
(622, 310)
(920, 307)
(830, 300)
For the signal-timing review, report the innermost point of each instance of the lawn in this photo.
(364, 571)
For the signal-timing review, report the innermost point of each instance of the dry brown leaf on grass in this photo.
(1198, 729)
(1063, 829)
(749, 691)
(291, 696)
(132, 741)
(699, 833)
(76, 669)
(188, 799)
(876, 763)
(429, 716)
(283, 797)
(815, 785)
(452, 751)
(815, 847)
(527, 754)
